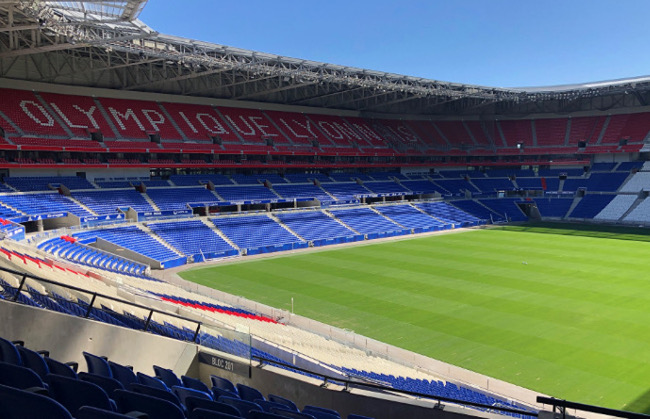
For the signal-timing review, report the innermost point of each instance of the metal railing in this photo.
(351, 383)
(93, 298)
(560, 406)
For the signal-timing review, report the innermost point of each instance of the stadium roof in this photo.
(104, 44)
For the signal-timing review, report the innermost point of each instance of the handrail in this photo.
(94, 296)
(565, 404)
(352, 383)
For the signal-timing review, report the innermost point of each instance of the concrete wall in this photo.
(67, 336)
(270, 380)
(91, 173)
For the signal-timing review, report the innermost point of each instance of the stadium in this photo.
(192, 230)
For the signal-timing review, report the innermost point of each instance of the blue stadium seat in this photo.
(183, 393)
(19, 404)
(167, 376)
(243, 406)
(195, 384)
(33, 361)
(122, 374)
(109, 385)
(223, 384)
(211, 414)
(249, 393)
(87, 412)
(128, 401)
(73, 394)
(283, 401)
(193, 403)
(155, 392)
(9, 353)
(19, 377)
(97, 365)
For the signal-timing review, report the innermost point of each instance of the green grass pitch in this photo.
(560, 310)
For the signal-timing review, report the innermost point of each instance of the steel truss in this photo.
(103, 44)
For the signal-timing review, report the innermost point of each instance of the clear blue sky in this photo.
(485, 42)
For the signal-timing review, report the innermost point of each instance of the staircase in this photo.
(286, 227)
(574, 204)
(82, 205)
(219, 233)
(429, 215)
(159, 239)
(150, 201)
(329, 214)
(632, 208)
(108, 120)
(389, 219)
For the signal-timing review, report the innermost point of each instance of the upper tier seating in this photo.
(43, 203)
(301, 191)
(516, 132)
(339, 131)
(298, 127)
(200, 122)
(423, 186)
(41, 183)
(410, 217)
(314, 225)
(24, 109)
(455, 132)
(245, 193)
(107, 202)
(345, 190)
(366, 131)
(192, 238)
(586, 128)
(550, 132)
(252, 125)
(80, 114)
(137, 119)
(251, 232)
(398, 133)
(427, 133)
(634, 127)
(177, 198)
(479, 133)
(385, 187)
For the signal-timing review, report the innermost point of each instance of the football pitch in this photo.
(559, 309)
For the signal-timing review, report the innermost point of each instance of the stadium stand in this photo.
(410, 217)
(590, 205)
(193, 238)
(257, 234)
(109, 201)
(317, 227)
